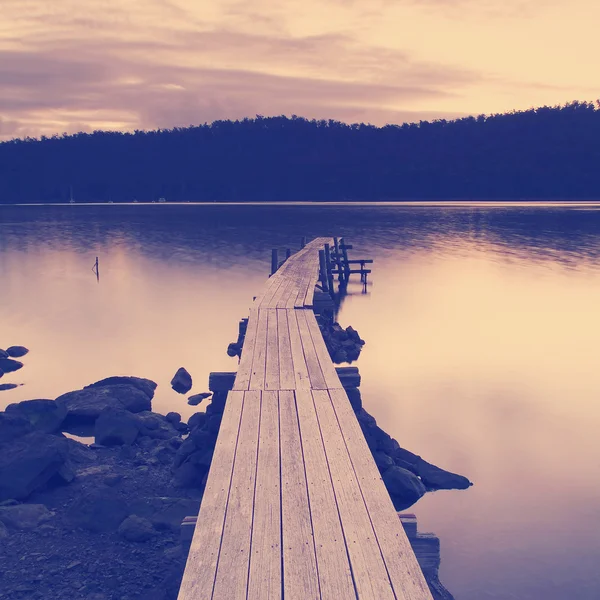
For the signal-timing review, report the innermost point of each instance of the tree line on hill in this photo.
(541, 153)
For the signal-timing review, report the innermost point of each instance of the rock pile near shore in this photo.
(344, 345)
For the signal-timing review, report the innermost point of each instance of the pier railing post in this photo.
(323, 271)
(328, 268)
(274, 261)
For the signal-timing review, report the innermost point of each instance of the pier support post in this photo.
(274, 261)
(346, 264)
(328, 268)
(323, 271)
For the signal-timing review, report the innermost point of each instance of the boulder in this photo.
(197, 398)
(186, 449)
(100, 510)
(7, 386)
(3, 353)
(383, 461)
(24, 516)
(29, 462)
(8, 365)
(155, 426)
(86, 405)
(136, 529)
(145, 385)
(43, 415)
(404, 487)
(16, 351)
(173, 417)
(189, 475)
(197, 420)
(116, 427)
(181, 382)
(439, 479)
(13, 426)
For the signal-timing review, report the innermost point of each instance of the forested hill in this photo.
(543, 153)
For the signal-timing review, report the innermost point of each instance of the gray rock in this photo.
(197, 398)
(189, 475)
(7, 386)
(43, 415)
(8, 365)
(439, 479)
(87, 404)
(181, 382)
(383, 461)
(155, 426)
(102, 509)
(116, 427)
(145, 385)
(404, 487)
(24, 516)
(16, 351)
(3, 353)
(186, 449)
(197, 420)
(13, 426)
(136, 529)
(29, 462)
(173, 417)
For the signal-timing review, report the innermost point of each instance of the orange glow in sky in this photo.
(73, 66)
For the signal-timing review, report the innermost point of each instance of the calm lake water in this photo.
(482, 325)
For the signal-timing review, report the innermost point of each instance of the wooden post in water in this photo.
(346, 264)
(302, 242)
(328, 268)
(323, 271)
(274, 261)
(336, 251)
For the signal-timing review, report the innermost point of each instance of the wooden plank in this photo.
(232, 569)
(287, 379)
(242, 379)
(317, 379)
(368, 568)
(201, 566)
(329, 373)
(265, 577)
(335, 578)
(272, 365)
(259, 362)
(300, 578)
(405, 574)
(300, 367)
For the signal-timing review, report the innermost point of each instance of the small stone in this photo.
(173, 417)
(197, 398)
(136, 529)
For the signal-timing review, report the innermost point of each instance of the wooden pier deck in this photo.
(294, 505)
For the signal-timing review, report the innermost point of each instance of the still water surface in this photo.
(482, 325)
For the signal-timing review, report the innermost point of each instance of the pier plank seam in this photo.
(292, 478)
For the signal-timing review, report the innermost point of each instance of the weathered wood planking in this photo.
(265, 577)
(294, 506)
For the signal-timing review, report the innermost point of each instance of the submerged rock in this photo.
(16, 351)
(43, 415)
(182, 381)
(197, 398)
(29, 462)
(8, 365)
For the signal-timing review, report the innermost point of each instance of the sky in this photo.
(73, 65)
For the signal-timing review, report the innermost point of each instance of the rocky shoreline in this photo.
(101, 521)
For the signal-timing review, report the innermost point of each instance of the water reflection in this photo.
(481, 326)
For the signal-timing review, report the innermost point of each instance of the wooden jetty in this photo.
(294, 505)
